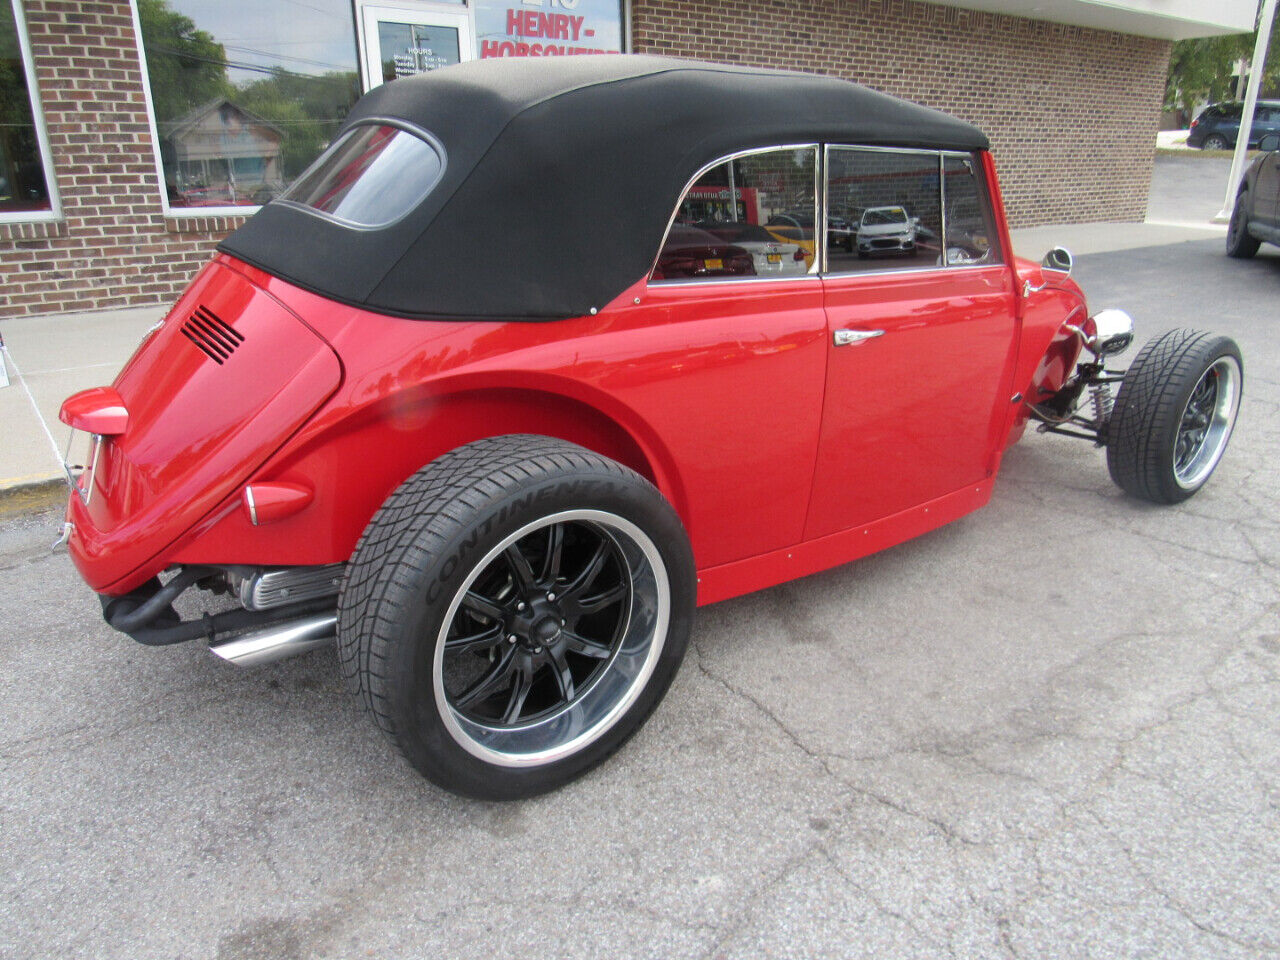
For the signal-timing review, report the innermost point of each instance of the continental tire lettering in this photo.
(567, 489)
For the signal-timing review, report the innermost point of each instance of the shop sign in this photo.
(547, 28)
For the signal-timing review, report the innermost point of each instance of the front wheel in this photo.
(1174, 415)
(514, 612)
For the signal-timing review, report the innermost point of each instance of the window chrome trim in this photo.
(32, 84)
(917, 272)
(942, 213)
(753, 279)
(409, 128)
(812, 272)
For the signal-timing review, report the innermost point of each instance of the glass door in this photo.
(403, 41)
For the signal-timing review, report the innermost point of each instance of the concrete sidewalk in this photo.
(51, 357)
(48, 358)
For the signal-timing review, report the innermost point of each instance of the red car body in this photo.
(502, 482)
(345, 404)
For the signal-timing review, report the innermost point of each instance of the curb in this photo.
(32, 497)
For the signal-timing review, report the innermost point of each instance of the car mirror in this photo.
(1057, 263)
(1269, 143)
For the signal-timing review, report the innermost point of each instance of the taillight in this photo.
(799, 255)
(1195, 123)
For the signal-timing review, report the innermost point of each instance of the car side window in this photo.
(968, 221)
(892, 203)
(749, 217)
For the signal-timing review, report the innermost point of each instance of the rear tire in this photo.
(514, 612)
(1240, 243)
(1174, 415)
(1215, 141)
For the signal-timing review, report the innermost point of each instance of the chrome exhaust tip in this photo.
(278, 642)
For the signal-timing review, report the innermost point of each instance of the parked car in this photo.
(1255, 219)
(768, 254)
(1218, 125)
(504, 479)
(797, 225)
(693, 253)
(886, 230)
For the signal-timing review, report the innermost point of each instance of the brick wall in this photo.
(1072, 115)
(114, 247)
(1071, 112)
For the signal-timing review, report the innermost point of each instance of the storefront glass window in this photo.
(23, 184)
(247, 93)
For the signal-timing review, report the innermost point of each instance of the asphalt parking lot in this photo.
(1051, 729)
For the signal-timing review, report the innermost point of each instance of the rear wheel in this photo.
(1240, 243)
(514, 612)
(1174, 415)
(1215, 141)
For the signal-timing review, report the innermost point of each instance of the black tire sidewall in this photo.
(1174, 388)
(424, 595)
(1240, 243)
(1212, 350)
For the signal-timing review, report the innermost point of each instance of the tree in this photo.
(187, 66)
(1201, 70)
(308, 108)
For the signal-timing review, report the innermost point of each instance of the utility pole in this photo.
(1256, 68)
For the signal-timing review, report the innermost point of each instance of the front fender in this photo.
(1049, 348)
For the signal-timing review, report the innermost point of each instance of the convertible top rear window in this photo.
(371, 177)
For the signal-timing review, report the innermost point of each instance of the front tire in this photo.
(1240, 243)
(514, 612)
(1174, 415)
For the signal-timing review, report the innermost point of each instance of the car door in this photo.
(921, 339)
(735, 389)
(1266, 196)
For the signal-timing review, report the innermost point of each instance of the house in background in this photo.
(221, 154)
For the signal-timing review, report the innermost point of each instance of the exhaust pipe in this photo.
(280, 641)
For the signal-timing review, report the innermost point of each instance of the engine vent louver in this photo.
(215, 338)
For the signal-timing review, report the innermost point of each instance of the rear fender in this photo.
(353, 464)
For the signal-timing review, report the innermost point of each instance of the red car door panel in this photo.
(741, 406)
(912, 411)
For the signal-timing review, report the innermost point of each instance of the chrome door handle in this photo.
(845, 337)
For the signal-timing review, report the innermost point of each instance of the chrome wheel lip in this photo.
(586, 718)
(1214, 443)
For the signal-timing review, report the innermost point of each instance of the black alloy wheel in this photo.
(538, 625)
(514, 612)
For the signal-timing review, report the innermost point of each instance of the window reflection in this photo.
(246, 93)
(891, 203)
(372, 177)
(22, 181)
(971, 235)
(750, 217)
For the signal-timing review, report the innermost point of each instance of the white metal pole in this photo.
(1256, 67)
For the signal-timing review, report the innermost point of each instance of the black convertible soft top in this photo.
(560, 178)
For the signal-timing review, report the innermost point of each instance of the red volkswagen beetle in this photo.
(438, 401)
